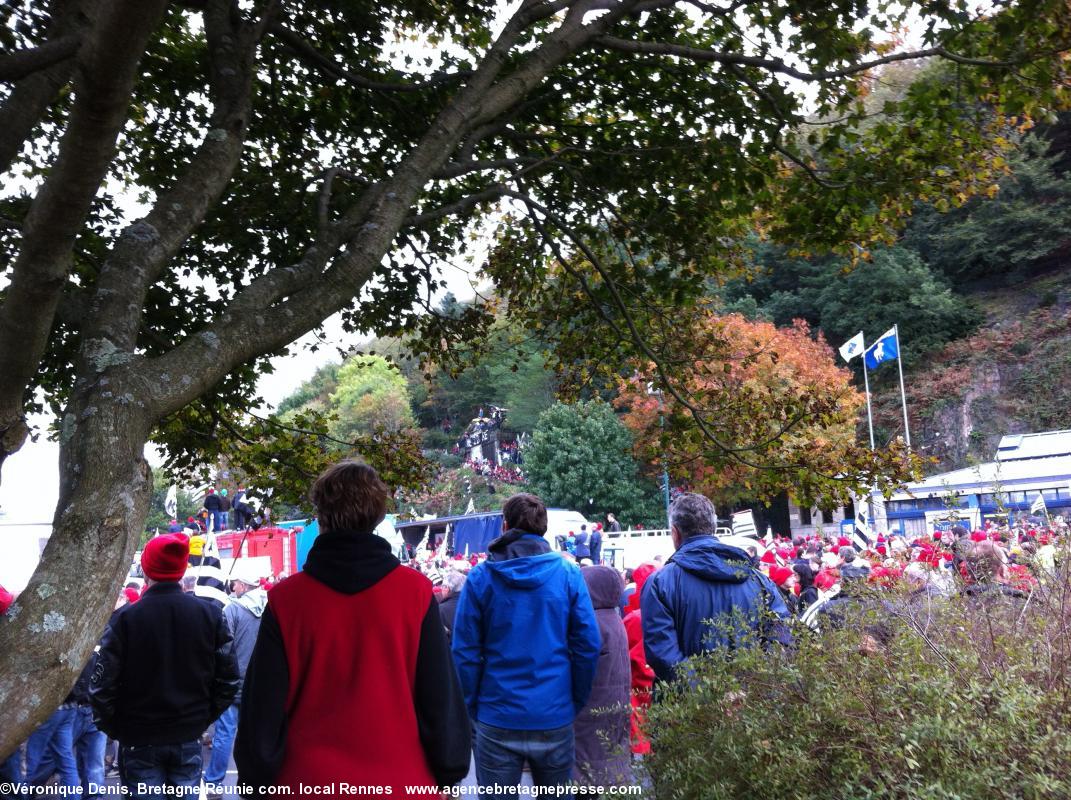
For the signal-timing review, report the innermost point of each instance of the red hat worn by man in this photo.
(165, 558)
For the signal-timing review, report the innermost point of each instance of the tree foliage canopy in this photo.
(1003, 238)
(754, 382)
(580, 458)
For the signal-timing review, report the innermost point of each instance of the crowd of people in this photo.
(503, 474)
(521, 656)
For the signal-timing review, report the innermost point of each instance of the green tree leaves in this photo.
(580, 458)
(371, 395)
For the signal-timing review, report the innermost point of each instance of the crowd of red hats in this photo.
(503, 474)
(1027, 552)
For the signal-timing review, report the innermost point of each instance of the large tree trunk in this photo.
(105, 489)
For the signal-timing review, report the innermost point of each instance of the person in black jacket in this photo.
(223, 518)
(243, 512)
(165, 671)
(808, 591)
(213, 506)
(454, 582)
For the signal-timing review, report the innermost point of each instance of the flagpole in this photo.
(903, 394)
(870, 425)
(869, 415)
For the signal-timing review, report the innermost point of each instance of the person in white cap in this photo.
(243, 616)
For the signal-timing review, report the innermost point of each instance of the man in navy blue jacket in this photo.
(526, 645)
(707, 596)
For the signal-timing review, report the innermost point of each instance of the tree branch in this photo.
(327, 66)
(464, 204)
(254, 325)
(109, 69)
(456, 169)
(637, 338)
(21, 63)
(776, 65)
(30, 98)
(146, 247)
(323, 201)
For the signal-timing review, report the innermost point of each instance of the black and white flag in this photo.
(211, 582)
(171, 502)
(744, 524)
(862, 536)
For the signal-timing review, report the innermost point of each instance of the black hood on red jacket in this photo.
(350, 561)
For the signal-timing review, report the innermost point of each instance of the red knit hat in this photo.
(780, 574)
(165, 558)
(131, 594)
(6, 599)
(768, 557)
(825, 580)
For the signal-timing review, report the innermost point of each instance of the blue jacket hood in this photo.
(707, 558)
(527, 572)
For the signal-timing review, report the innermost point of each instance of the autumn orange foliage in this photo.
(758, 410)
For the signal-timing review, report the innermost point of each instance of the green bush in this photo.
(952, 700)
(444, 459)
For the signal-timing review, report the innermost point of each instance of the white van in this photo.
(560, 521)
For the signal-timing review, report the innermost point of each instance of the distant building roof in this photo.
(1024, 462)
(1018, 475)
(1020, 446)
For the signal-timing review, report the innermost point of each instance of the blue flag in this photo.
(884, 349)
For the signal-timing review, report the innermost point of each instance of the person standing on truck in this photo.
(223, 518)
(212, 505)
(243, 512)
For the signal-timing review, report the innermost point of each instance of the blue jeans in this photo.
(501, 753)
(11, 772)
(222, 742)
(219, 520)
(89, 749)
(157, 765)
(50, 749)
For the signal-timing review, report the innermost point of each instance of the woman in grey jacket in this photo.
(603, 752)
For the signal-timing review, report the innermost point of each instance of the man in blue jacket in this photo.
(526, 644)
(707, 596)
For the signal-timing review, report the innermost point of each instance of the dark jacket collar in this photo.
(516, 543)
(163, 587)
(350, 561)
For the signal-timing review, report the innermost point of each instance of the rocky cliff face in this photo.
(1012, 376)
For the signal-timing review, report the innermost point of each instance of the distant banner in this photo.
(744, 524)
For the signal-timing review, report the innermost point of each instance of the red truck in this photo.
(279, 544)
